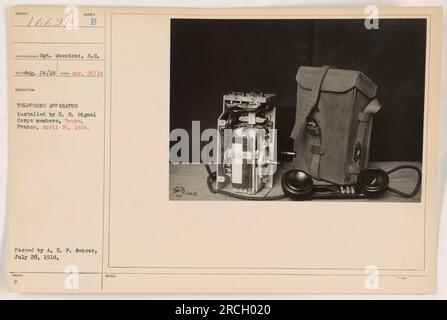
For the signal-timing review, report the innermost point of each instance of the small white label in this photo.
(236, 163)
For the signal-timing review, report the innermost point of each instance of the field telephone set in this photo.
(331, 133)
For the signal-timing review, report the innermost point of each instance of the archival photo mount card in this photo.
(223, 150)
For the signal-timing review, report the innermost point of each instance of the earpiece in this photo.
(373, 182)
(297, 184)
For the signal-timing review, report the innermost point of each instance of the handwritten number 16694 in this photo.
(47, 22)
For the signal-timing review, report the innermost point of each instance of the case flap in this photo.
(336, 80)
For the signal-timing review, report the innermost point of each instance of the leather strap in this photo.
(315, 133)
(317, 151)
(312, 102)
(317, 87)
(365, 119)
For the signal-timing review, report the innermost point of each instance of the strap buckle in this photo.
(357, 151)
(313, 127)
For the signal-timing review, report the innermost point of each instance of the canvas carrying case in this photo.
(333, 122)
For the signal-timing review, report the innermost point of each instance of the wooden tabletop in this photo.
(188, 182)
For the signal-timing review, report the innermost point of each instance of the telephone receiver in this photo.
(371, 183)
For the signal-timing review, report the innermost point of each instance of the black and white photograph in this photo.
(302, 109)
(305, 160)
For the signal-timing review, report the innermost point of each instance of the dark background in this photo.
(212, 57)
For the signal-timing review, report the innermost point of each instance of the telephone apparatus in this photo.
(332, 133)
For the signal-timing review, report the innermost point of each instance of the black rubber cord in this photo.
(212, 177)
(416, 187)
